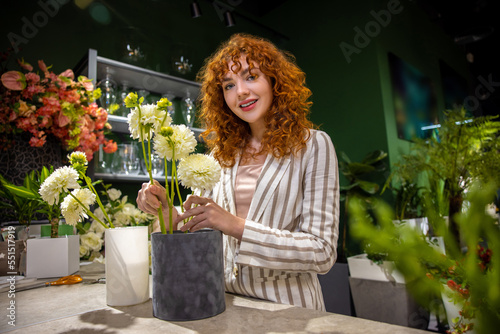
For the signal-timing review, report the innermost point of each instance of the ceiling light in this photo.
(195, 10)
(229, 19)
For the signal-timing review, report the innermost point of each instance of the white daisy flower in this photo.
(199, 171)
(182, 140)
(59, 181)
(72, 211)
(152, 119)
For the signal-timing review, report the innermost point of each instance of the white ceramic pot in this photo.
(127, 265)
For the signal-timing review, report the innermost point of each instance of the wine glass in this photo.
(108, 91)
(122, 94)
(188, 110)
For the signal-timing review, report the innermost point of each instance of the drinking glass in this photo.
(104, 161)
(108, 91)
(127, 160)
(122, 94)
(188, 110)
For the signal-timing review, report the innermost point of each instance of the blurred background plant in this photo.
(23, 203)
(462, 150)
(468, 276)
(363, 182)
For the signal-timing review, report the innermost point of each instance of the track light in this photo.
(195, 10)
(229, 19)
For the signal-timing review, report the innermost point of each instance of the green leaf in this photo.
(369, 187)
(344, 157)
(374, 157)
(358, 168)
(21, 191)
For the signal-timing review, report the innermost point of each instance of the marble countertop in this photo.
(81, 308)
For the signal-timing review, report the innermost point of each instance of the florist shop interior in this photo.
(408, 92)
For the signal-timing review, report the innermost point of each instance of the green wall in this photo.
(352, 97)
(352, 100)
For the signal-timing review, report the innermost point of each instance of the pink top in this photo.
(246, 181)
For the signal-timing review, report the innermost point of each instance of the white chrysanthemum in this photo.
(182, 141)
(199, 171)
(114, 194)
(92, 241)
(72, 211)
(151, 118)
(59, 181)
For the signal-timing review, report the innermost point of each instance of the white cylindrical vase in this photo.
(127, 265)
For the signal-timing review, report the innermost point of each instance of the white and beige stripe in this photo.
(291, 230)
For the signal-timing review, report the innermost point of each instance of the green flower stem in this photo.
(174, 172)
(148, 163)
(91, 214)
(162, 221)
(169, 200)
(170, 217)
(91, 187)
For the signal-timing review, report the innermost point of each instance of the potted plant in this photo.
(362, 182)
(467, 278)
(462, 150)
(188, 284)
(361, 177)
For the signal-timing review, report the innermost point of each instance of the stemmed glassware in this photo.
(108, 91)
(188, 110)
(122, 94)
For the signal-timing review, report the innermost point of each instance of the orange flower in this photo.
(110, 146)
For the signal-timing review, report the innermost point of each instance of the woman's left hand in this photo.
(206, 213)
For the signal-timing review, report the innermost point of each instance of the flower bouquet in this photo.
(55, 104)
(187, 268)
(152, 124)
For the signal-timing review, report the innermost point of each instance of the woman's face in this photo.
(248, 95)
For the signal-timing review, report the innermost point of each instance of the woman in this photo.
(278, 199)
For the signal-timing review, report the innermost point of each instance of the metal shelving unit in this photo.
(96, 67)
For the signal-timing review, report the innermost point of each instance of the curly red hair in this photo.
(287, 120)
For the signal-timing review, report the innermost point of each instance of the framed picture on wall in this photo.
(414, 100)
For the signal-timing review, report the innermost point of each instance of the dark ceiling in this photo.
(474, 25)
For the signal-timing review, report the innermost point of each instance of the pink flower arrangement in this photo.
(56, 105)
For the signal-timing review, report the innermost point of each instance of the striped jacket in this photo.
(291, 230)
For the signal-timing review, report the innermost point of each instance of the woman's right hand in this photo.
(149, 198)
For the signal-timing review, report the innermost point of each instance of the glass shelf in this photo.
(119, 124)
(128, 177)
(95, 67)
